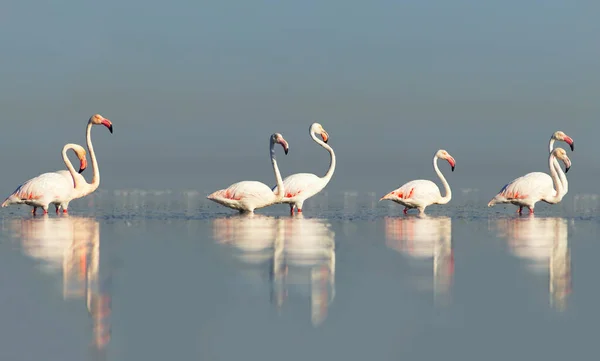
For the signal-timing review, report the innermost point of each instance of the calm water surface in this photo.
(145, 275)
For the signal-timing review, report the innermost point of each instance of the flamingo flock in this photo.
(59, 188)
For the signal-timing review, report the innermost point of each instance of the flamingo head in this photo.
(443, 154)
(98, 119)
(81, 155)
(559, 135)
(318, 129)
(278, 138)
(561, 154)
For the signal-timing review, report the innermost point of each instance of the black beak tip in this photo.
(326, 140)
(286, 151)
(453, 168)
(81, 170)
(567, 169)
(572, 147)
(110, 128)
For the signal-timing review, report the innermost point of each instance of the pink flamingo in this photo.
(77, 182)
(533, 187)
(422, 193)
(246, 196)
(301, 186)
(51, 188)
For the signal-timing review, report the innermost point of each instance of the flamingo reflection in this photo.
(543, 241)
(71, 246)
(287, 248)
(423, 238)
(305, 261)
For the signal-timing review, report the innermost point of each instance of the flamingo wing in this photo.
(300, 184)
(47, 187)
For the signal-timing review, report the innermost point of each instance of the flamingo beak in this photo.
(567, 165)
(325, 136)
(82, 165)
(452, 162)
(285, 145)
(107, 123)
(570, 142)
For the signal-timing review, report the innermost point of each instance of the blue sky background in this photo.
(195, 88)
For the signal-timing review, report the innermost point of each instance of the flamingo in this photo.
(82, 189)
(53, 187)
(246, 196)
(301, 186)
(533, 187)
(422, 193)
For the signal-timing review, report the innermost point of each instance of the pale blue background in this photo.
(195, 88)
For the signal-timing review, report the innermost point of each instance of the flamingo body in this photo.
(43, 190)
(245, 196)
(417, 194)
(527, 190)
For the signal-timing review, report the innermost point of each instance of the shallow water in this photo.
(151, 275)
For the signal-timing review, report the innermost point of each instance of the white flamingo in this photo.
(422, 193)
(301, 186)
(246, 196)
(52, 187)
(533, 187)
(56, 188)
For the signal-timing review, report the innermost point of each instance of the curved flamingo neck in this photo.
(96, 172)
(76, 181)
(551, 145)
(445, 199)
(561, 175)
(331, 169)
(555, 170)
(280, 189)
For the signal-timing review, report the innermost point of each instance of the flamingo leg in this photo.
(299, 210)
(530, 210)
(56, 209)
(65, 211)
(520, 210)
(405, 211)
(33, 210)
(292, 209)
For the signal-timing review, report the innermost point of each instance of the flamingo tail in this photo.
(12, 199)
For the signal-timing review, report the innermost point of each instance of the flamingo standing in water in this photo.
(422, 193)
(52, 187)
(79, 187)
(301, 186)
(246, 196)
(533, 187)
